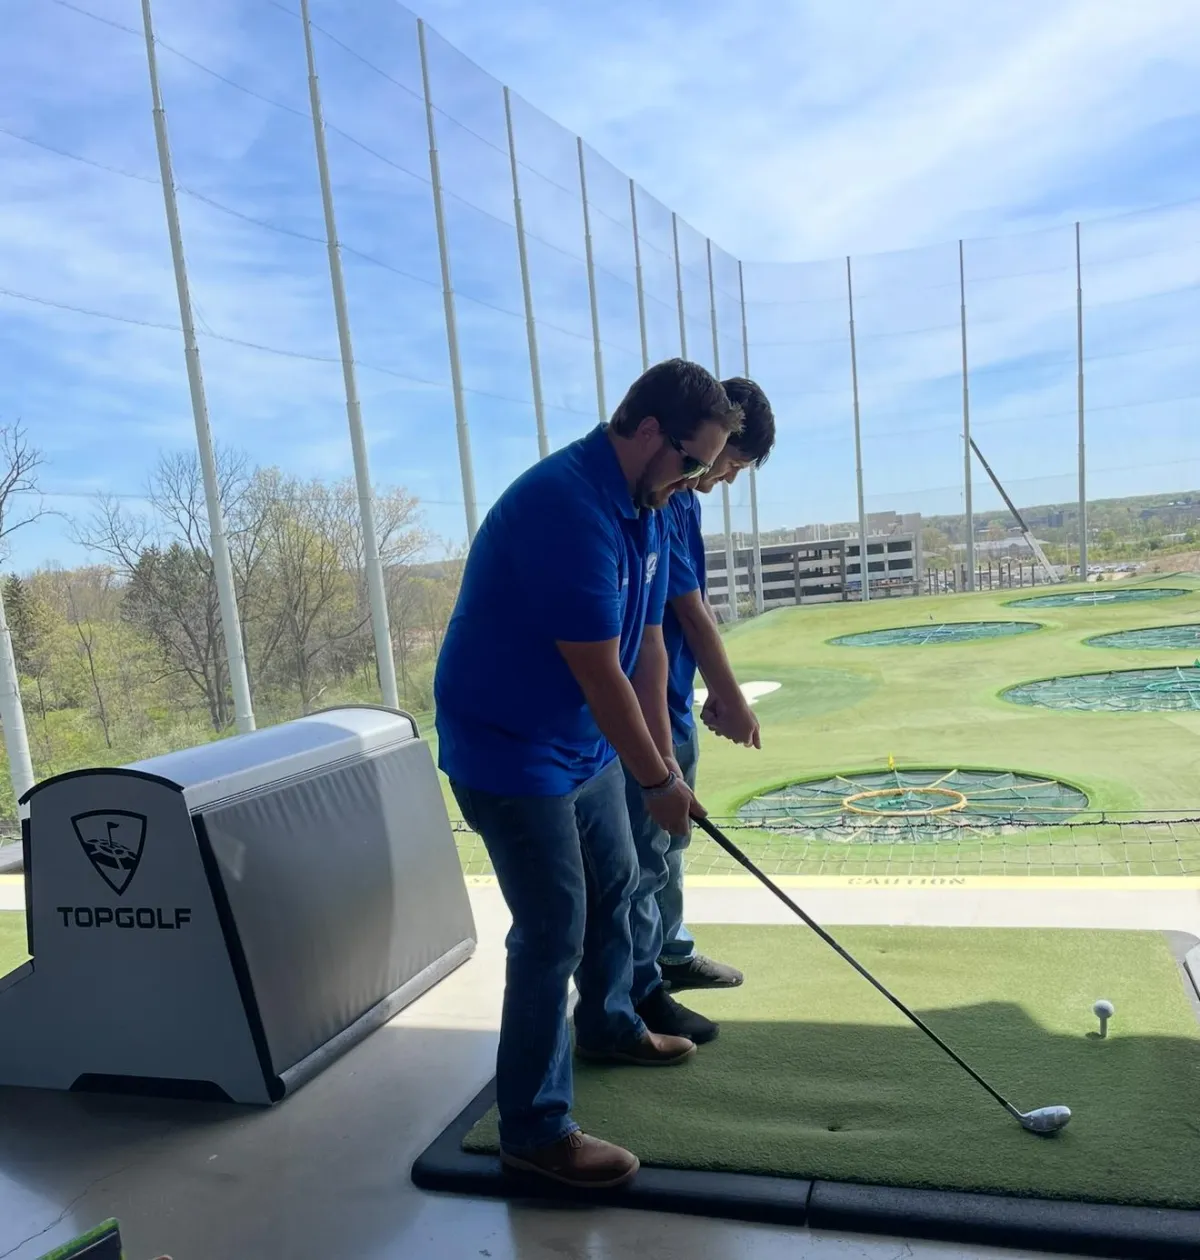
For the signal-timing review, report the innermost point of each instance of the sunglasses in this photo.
(692, 467)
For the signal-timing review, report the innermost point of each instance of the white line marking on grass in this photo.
(751, 690)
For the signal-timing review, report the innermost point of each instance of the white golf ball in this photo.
(1103, 1009)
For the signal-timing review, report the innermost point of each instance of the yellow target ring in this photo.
(956, 801)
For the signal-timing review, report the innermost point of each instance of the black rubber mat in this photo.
(949, 1215)
(1052, 1225)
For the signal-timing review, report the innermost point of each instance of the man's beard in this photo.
(649, 491)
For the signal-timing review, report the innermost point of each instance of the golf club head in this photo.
(1045, 1120)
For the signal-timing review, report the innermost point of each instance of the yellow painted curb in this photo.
(980, 883)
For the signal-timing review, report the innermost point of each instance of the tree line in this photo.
(125, 657)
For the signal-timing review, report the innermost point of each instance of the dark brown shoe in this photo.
(587, 1163)
(654, 1050)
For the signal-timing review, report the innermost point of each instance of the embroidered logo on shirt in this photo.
(651, 566)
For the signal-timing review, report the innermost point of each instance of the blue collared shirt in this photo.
(564, 555)
(687, 574)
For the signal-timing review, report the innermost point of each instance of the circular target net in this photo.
(913, 805)
(1121, 691)
(935, 632)
(1151, 638)
(1065, 600)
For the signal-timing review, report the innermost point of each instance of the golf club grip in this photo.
(715, 833)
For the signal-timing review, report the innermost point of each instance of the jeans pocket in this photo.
(466, 804)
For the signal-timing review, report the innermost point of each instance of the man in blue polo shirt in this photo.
(692, 640)
(552, 675)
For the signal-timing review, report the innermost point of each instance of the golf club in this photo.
(1042, 1120)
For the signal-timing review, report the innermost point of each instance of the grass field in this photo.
(815, 1074)
(846, 708)
(12, 940)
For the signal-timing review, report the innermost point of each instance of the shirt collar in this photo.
(602, 461)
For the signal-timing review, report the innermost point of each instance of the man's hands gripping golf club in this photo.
(673, 805)
(1042, 1120)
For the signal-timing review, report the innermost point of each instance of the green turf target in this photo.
(913, 805)
(1119, 691)
(936, 632)
(1151, 638)
(1083, 598)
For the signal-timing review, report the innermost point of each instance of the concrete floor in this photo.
(325, 1174)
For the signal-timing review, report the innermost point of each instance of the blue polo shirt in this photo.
(687, 574)
(564, 555)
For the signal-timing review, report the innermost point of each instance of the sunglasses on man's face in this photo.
(692, 466)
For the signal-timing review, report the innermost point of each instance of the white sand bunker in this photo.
(751, 690)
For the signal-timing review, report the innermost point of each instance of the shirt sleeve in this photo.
(682, 578)
(570, 573)
(657, 605)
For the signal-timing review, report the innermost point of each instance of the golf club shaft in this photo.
(712, 830)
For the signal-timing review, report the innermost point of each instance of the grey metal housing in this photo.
(227, 919)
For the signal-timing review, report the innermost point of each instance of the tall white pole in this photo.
(1083, 512)
(12, 712)
(760, 594)
(863, 562)
(231, 626)
(637, 271)
(730, 558)
(679, 286)
(535, 369)
(597, 354)
(969, 510)
(376, 591)
(465, 467)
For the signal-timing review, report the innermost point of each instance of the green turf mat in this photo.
(815, 1074)
(12, 940)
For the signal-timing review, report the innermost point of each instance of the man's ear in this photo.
(649, 429)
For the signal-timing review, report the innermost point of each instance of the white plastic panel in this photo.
(212, 773)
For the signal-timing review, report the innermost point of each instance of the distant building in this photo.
(821, 571)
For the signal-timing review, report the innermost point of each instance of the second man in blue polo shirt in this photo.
(664, 952)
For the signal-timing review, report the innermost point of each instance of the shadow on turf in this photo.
(844, 1109)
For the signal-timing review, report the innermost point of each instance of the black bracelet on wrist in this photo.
(661, 789)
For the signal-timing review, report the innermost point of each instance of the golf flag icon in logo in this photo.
(112, 840)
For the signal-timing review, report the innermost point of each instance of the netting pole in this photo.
(12, 712)
(231, 626)
(597, 354)
(637, 271)
(679, 286)
(760, 593)
(465, 468)
(376, 591)
(1083, 512)
(968, 506)
(730, 558)
(535, 369)
(864, 570)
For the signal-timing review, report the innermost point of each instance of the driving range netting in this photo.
(1165, 689)
(1137, 595)
(936, 632)
(913, 806)
(1093, 842)
(1151, 638)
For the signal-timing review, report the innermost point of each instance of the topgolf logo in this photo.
(113, 840)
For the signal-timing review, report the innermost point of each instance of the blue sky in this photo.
(791, 135)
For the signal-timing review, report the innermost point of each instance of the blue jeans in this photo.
(567, 868)
(656, 913)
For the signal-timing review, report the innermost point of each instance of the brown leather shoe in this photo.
(587, 1163)
(654, 1050)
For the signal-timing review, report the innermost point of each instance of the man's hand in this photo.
(675, 809)
(732, 719)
